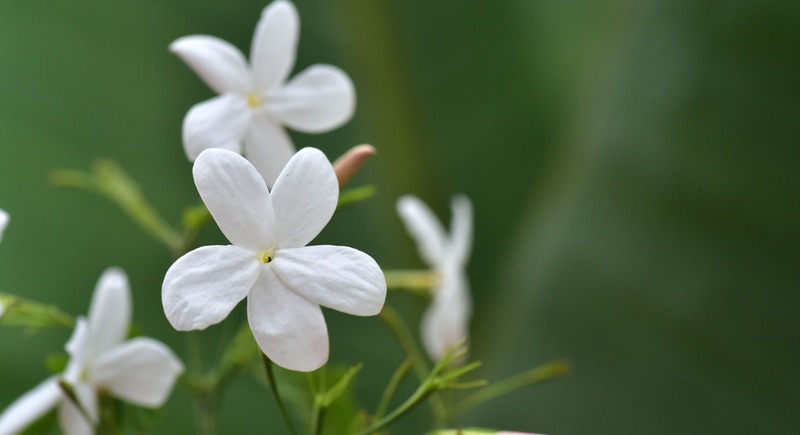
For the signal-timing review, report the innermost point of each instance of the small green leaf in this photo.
(355, 195)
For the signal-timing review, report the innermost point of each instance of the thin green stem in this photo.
(534, 376)
(396, 324)
(273, 387)
(317, 417)
(419, 282)
(397, 378)
(420, 395)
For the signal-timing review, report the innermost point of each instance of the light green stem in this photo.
(406, 339)
(419, 282)
(397, 378)
(534, 376)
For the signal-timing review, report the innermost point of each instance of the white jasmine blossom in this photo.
(446, 321)
(141, 371)
(254, 102)
(284, 281)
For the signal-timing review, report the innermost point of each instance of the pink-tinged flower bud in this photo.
(349, 163)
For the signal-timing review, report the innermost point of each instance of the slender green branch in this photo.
(396, 324)
(109, 180)
(273, 387)
(534, 376)
(24, 312)
(397, 378)
(430, 385)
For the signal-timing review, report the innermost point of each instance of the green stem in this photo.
(537, 375)
(397, 378)
(419, 282)
(406, 339)
(317, 416)
(273, 387)
(420, 395)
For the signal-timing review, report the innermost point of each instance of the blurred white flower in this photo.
(284, 281)
(141, 371)
(254, 102)
(3, 222)
(446, 321)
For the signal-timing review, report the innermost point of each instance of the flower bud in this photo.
(349, 163)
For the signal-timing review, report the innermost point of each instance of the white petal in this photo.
(203, 286)
(109, 314)
(221, 65)
(446, 321)
(73, 422)
(337, 277)
(304, 198)
(268, 146)
(3, 222)
(424, 227)
(236, 196)
(220, 122)
(77, 349)
(274, 44)
(30, 407)
(141, 371)
(317, 100)
(461, 228)
(289, 328)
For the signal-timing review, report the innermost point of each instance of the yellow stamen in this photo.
(265, 258)
(254, 101)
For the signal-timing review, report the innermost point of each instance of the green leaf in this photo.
(34, 315)
(355, 195)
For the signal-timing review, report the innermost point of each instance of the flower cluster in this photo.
(270, 201)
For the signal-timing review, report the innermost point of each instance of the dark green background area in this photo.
(634, 167)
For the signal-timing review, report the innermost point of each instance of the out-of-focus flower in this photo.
(254, 102)
(3, 222)
(284, 280)
(446, 321)
(141, 371)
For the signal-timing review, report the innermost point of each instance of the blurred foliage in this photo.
(633, 167)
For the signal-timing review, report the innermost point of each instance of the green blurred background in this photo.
(633, 166)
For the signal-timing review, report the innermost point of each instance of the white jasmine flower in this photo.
(141, 371)
(254, 102)
(446, 321)
(284, 281)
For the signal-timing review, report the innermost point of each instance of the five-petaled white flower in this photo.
(141, 371)
(446, 321)
(254, 102)
(284, 281)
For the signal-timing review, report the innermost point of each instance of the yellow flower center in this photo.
(254, 101)
(266, 257)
